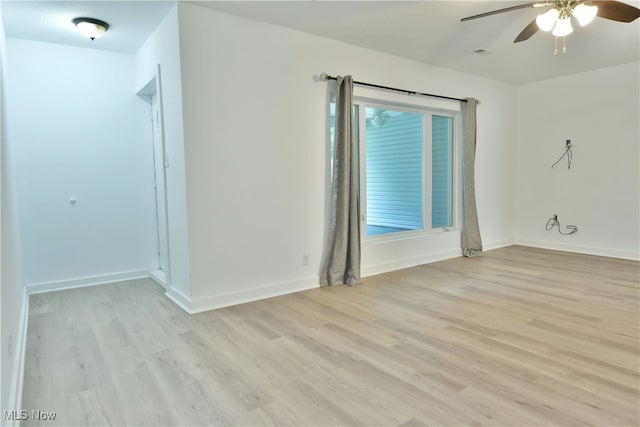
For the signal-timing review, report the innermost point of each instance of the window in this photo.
(406, 168)
(394, 181)
(441, 171)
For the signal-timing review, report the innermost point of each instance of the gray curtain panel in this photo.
(471, 240)
(342, 259)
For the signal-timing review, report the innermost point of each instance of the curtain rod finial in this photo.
(324, 76)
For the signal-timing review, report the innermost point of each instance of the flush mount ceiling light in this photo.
(90, 27)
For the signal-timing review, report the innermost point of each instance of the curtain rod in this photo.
(325, 76)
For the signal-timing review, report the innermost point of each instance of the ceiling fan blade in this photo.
(506, 9)
(528, 31)
(616, 11)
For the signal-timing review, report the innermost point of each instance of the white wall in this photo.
(163, 48)
(255, 129)
(79, 130)
(12, 292)
(599, 112)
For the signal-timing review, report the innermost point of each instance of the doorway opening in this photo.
(152, 94)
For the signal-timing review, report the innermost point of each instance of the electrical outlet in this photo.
(305, 260)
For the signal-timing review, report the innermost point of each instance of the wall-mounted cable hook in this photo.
(567, 152)
(553, 222)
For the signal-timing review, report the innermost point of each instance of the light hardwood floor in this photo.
(520, 336)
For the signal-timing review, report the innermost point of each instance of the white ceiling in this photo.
(426, 31)
(131, 22)
(431, 32)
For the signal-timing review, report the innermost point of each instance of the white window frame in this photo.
(427, 110)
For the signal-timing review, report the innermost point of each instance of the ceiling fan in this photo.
(558, 15)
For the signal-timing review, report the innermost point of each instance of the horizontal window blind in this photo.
(394, 163)
(442, 171)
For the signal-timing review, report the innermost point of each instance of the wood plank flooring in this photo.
(519, 337)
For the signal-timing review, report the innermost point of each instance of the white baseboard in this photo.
(160, 277)
(37, 288)
(253, 294)
(19, 354)
(212, 302)
(427, 258)
(399, 264)
(498, 245)
(180, 299)
(588, 250)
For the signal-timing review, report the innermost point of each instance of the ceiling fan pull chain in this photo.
(555, 51)
(564, 45)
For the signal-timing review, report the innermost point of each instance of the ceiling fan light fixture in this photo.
(563, 27)
(547, 20)
(558, 15)
(378, 121)
(90, 27)
(584, 13)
